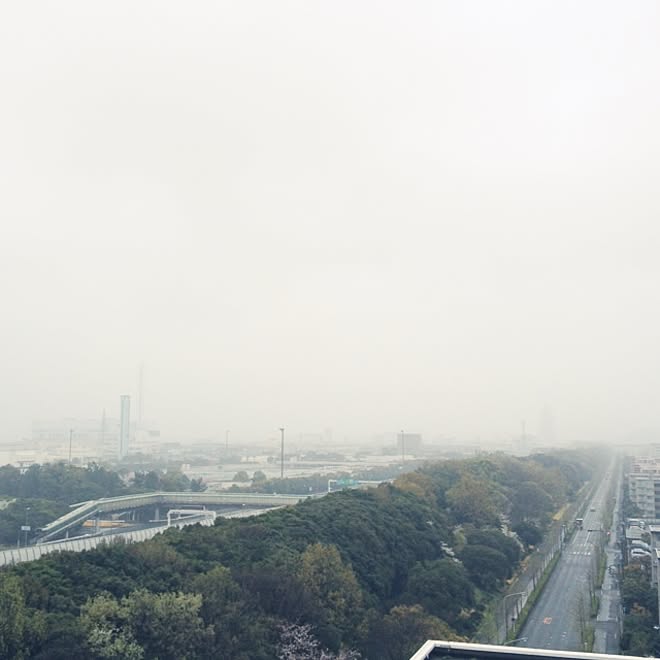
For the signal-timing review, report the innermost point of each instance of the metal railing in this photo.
(441, 649)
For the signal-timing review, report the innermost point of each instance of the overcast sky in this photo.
(435, 216)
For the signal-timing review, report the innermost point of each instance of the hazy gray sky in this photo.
(436, 216)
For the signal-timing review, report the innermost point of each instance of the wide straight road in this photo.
(559, 618)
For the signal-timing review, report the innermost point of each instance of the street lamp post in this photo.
(282, 454)
(506, 618)
(403, 447)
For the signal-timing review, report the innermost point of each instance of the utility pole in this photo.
(282, 454)
(403, 448)
(70, 440)
(227, 440)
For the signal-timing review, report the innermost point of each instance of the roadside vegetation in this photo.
(640, 605)
(355, 574)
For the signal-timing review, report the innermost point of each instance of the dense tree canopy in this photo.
(166, 626)
(371, 571)
(59, 482)
(530, 503)
(443, 588)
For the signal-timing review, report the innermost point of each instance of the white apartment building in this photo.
(644, 486)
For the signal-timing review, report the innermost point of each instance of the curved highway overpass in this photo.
(94, 508)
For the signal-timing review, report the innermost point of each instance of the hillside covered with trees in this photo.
(354, 574)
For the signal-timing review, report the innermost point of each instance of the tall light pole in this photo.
(403, 448)
(282, 454)
(70, 440)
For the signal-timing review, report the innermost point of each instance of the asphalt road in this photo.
(554, 622)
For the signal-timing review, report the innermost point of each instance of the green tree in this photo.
(528, 532)
(333, 585)
(240, 633)
(241, 476)
(10, 478)
(471, 500)
(419, 484)
(636, 590)
(487, 567)
(60, 482)
(403, 630)
(108, 629)
(19, 627)
(530, 502)
(143, 624)
(198, 485)
(146, 481)
(494, 538)
(174, 481)
(443, 588)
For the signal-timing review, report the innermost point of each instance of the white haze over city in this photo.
(365, 216)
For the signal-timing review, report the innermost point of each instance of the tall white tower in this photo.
(124, 424)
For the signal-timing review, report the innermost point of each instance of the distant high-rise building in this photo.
(124, 424)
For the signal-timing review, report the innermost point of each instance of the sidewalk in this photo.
(609, 622)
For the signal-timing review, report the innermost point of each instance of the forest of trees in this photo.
(355, 574)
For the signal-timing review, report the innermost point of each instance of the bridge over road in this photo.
(94, 509)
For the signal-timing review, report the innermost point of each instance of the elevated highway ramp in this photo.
(94, 508)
